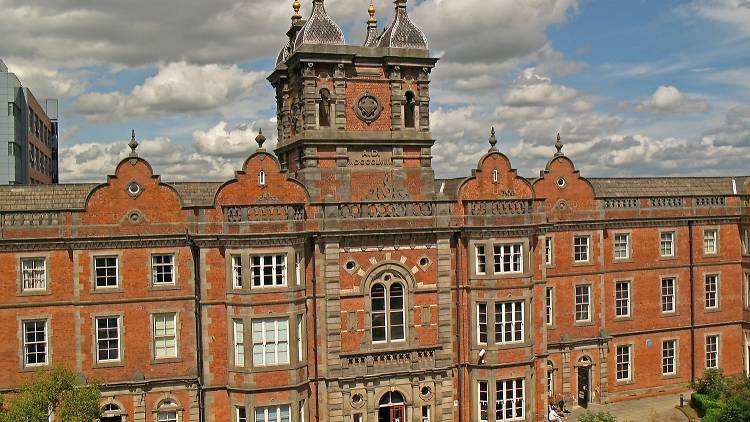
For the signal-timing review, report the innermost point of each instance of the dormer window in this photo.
(410, 109)
(324, 108)
(262, 178)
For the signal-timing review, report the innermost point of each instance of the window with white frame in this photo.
(240, 413)
(481, 260)
(162, 268)
(482, 323)
(387, 311)
(622, 299)
(746, 241)
(669, 357)
(237, 271)
(507, 258)
(712, 352)
(272, 414)
(262, 178)
(746, 277)
(622, 246)
(709, 241)
(581, 248)
(426, 414)
(623, 365)
(550, 380)
(108, 339)
(509, 321)
(302, 410)
(298, 267)
(270, 341)
(484, 397)
(165, 336)
(238, 327)
(668, 294)
(548, 246)
(105, 271)
(548, 305)
(712, 291)
(33, 274)
(666, 244)
(583, 303)
(509, 400)
(167, 416)
(35, 343)
(299, 338)
(268, 270)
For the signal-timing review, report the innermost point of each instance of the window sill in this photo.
(670, 314)
(36, 368)
(118, 364)
(582, 263)
(159, 361)
(668, 258)
(625, 318)
(670, 376)
(165, 287)
(622, 260)
(625, 382)
(584, 323)
(712, 310)
(107, 290)
(28, 293)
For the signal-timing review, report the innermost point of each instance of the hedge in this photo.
(708, 407)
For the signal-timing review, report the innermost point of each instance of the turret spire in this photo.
(319, 29)
(403, 33)
(372, 27)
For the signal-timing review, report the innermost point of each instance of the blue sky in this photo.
(634, 87)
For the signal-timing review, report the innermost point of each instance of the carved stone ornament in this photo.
(267, 198)
(368, 107)
(387, 192)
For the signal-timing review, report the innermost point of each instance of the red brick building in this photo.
(339, 280)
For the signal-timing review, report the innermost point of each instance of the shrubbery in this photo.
(601, 416)
(722, 399)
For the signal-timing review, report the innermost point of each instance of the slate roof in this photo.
(196, 194)
(664, 186)
(44, 197)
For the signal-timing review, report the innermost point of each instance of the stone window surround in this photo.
(676, 310)
(718, 348)
(676, 373)
(409, 284)
(573, 237)
(175, 285)
(491, 343)
(746, 289)
(21, 341)
(248, 315)
(675, 243)
(162, 407)
(121, 339)
(552, 289)
(717, 240)
(488, 244)
(491, 379)
(632, 378)
(590, 320)
(629, 246)
(631, 290)
(551, 260)
(107, 254)
(718, 307)
(47, 256)
(177, 338)
(247, 254)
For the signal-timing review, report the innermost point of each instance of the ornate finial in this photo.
(493, 139)
(296, 6)
(260, 139)
(133, 144)
(371, 10)
(559, 146)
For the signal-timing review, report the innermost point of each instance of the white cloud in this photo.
(240, 141)
(87, 162)
(178, 87)
(730, 13)
(532, 89)
(47, 82)
(669, 99)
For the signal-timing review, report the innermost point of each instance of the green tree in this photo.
(56, 390)
(601, 416)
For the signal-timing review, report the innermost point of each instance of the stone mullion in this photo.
(396, 98)
(309, 97)
(333, 309)
(339, 89)
(445, 304)
(424, 100)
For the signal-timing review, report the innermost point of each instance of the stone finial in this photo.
(559, 146)
(133, 144)
(371, 40)
(493, 140)
(260, 139)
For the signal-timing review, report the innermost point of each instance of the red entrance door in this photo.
(397, 414)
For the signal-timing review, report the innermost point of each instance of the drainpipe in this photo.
(315, 327)
(195, 251)
(459, 293)
(692, 302)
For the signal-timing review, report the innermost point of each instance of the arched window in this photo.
(111, 412)
(391, 407)
(262, 178)
(387, 306)
(409, 111)
(324, 108)
(167, 411)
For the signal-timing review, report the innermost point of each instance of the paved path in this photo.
(651, 409)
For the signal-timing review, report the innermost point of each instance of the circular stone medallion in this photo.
(368, 107)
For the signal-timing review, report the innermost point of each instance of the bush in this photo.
(735, 411)
(601, 416)
(704, 403)
(713, 384)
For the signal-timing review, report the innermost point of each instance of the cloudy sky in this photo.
(636, 87)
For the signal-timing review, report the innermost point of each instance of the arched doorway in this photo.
(584, 381)
(391, 407)
(111, 413)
